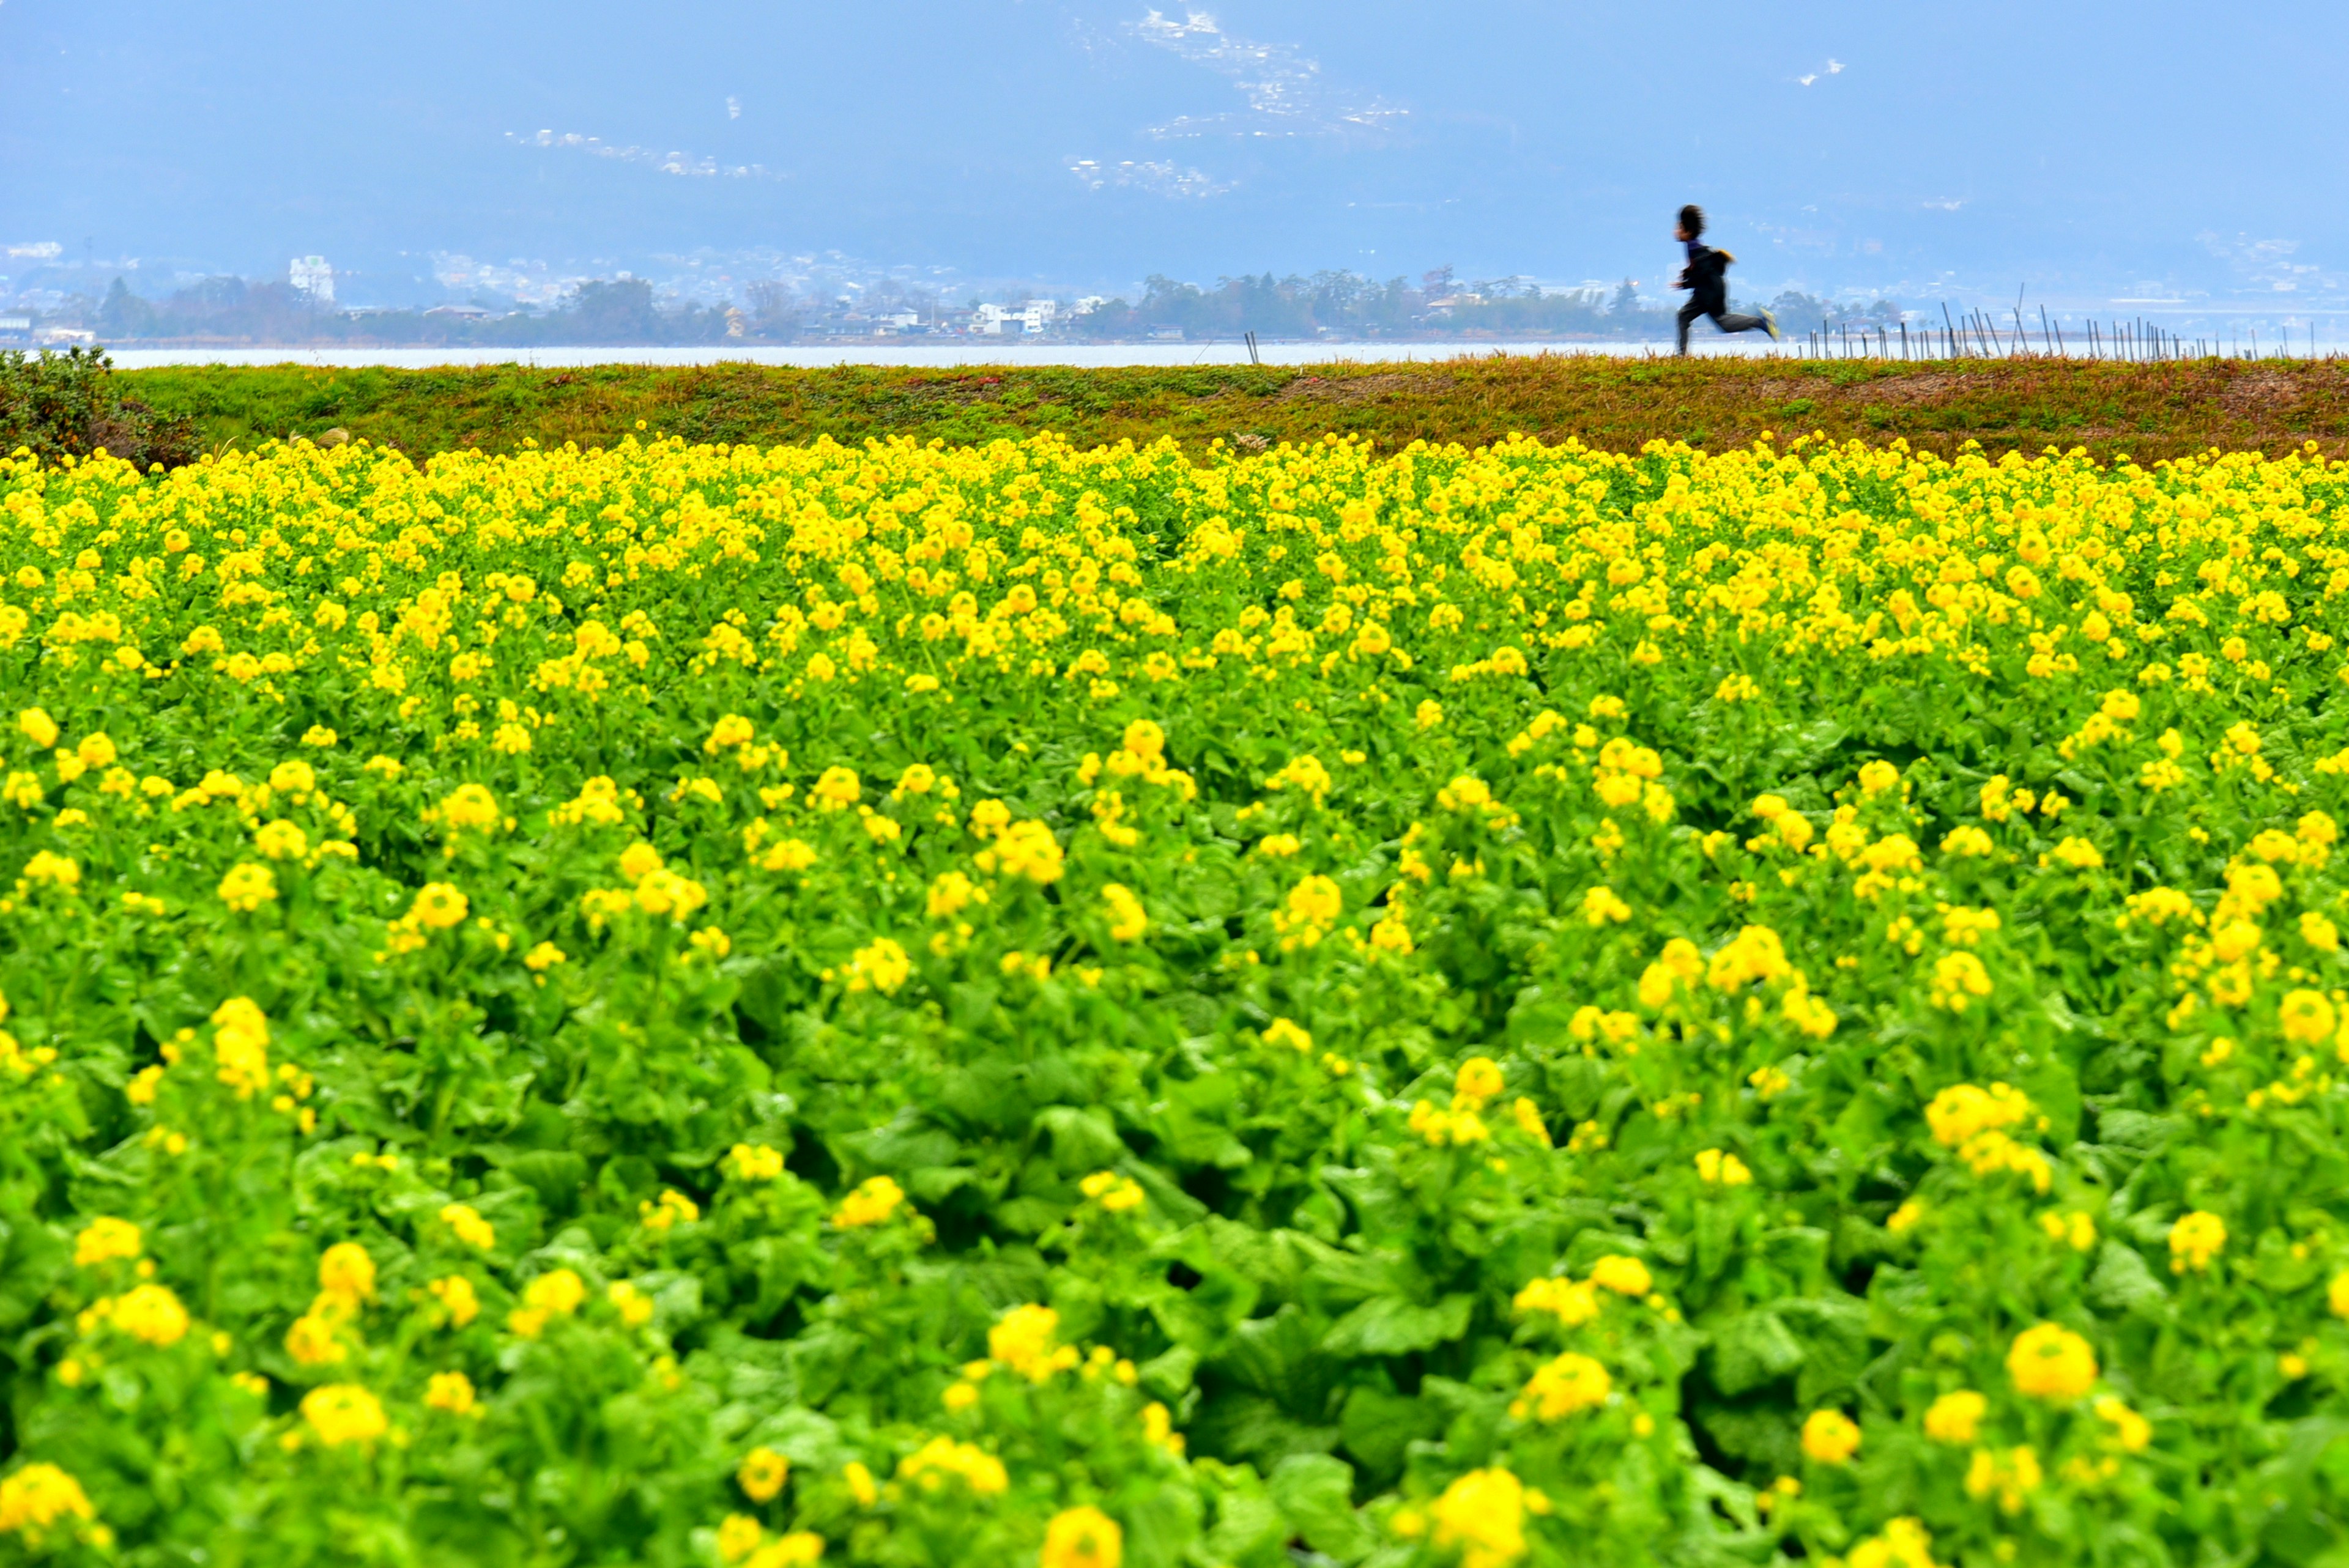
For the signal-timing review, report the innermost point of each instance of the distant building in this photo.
(1164, 333)
(460, 312)
(15, 329)
(897, 321)
(311, 275)
(1033, 317)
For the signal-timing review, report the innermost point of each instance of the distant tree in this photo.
(1438, 283)
(772, 306)
(619, 312)
(123, 315)
(1627, 299)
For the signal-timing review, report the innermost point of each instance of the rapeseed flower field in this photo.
(914, 1005)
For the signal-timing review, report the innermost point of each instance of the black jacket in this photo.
(1706, 274)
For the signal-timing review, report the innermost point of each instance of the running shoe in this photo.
(1770, 325)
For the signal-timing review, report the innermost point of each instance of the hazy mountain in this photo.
(2091, 148)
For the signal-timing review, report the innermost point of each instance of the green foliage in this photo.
(65, 405)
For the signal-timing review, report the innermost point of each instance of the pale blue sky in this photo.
(2095, 150)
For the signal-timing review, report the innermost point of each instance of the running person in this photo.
(1706, 279)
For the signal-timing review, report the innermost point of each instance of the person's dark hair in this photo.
(1692, 219)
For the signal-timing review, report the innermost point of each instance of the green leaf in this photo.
(1752, 1349)
(1389, 1326)
(1317, 1492)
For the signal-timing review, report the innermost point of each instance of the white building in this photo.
(995, 320)
(311, 275)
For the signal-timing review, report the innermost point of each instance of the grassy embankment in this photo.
(2144, 411)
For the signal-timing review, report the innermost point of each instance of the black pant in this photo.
(1719, 310)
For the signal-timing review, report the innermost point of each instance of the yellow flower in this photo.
(344, 1413)
(455, 1294)
(837, 789)
(1961, 1110)
(1574, 1302)
(470, 805)
(1023, 849)
(1312, 906)
(1959, 979)
(755, 1162)
(282, 840)
(1023, 1340)
(450, 1391)
(1560, 1388)
(241, 1045)
(1830, 1437)
(2305, 1016)
(151, 1313)
(880, 966)
(247, 887)
(558, 1290)
(38, 728)
(732, 729)
(872, 1203)
(466, 1223)
(1624, 1276)
(1477, 1082)
(1116, 1193)
(2050, 1362)
(1284, 1032)
(440, 906)
(39, 1495)
(1602, 906)
(762, 1474)
(2130, 1431)
(2078, 853)
(1905, 1543)
(1716, 1169)
(314, 1340)
(105, 1238)
(1083, 1538)
(860, 1483)
(1956, 1416)
(345, 1271)
(635, 1308)
(558, 1293)
(673, 1209)
(941, 1458)
(737, 1536)
(1128, 921)
(799, 1548)
(1482, 1515)
(2012, 1475)
(2194, 1241)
